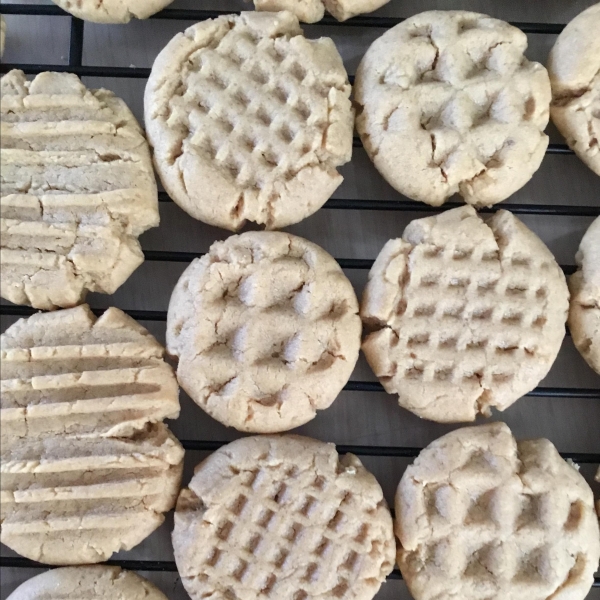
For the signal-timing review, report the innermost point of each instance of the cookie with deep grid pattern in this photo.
(584, 314)
(574, 67)
(249, 120)
(98, 582)
(311, 11)
(266, 330)
(88, 468)
(468, 314)
(450, 96)
(285, 518)
(480, 516)
(77, 190)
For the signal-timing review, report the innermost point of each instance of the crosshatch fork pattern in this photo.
(462, 309)
(283, 518)
(457, 100)
(74, 44)
(484, 517)
(260, 111)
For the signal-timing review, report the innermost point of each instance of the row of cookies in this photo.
(251, 106)
(308, 11)
(477, 514)
(253, 129)
(461, 315)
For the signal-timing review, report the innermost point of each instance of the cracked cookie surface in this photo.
(112, 11)
(283, 517)
(98, 582)
(584, 313)
(77, 190)
(311, 11)
(574, 67)
(266, 330)
(448, 103)
(480, 515)
(249, 120)
(468, 314)
(88, 467)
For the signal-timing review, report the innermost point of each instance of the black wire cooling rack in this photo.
(75, 65)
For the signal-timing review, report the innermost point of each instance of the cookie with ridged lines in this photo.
(99, 582)
(249, 120)
(574, 67)
(77, 190)
(451, 97)
(266, 331)
(112, 11)
(480, 515)
(88, 467)
(311, 11)
(282, 517)
(584, 313)
(466, 314)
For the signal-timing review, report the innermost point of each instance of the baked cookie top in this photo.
(311, 11)
(249, 120)
(467, 314)
(77, 190)
(266, 330)
(574, 67)
(448, 103)
(584, 314)
(480, 515)
(98, 582)
(284, 517)
(88, 467)
(112, 11)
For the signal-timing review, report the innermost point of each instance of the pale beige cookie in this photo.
(88, 467)
(574, 67)
(249, 120)
(98, 582)
(584, 315)
(468, 314)
(479, 515)
(283, 517)
(112, 11)
(77, 190)
(311, 11)
(266, 330)
(449, 104)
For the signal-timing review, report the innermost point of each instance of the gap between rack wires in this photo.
(202, 15)
(557, 210)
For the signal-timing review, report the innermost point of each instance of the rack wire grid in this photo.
(580, 400)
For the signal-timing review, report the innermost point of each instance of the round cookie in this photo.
(574, 67)
(283, 517)
(249, 120)
(467, 314)
(88, 467)
(112, 11)
(480, 515)
(98, 582)
(311, 11)
(266, 330)
(449, 95)
(584, 314)
(78, 189)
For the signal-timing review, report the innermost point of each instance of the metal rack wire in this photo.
(75, 65)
